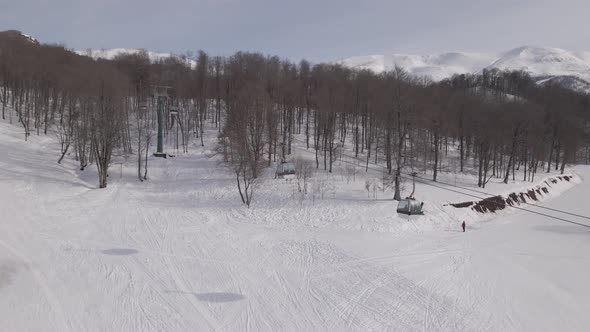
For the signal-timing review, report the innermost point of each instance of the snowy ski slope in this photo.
(180, 253)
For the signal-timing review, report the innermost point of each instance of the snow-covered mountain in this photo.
(545, 64)
(111, 53)
(435, 66)
(544, 61)
(570, 68)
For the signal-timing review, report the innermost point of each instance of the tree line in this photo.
(493, 123)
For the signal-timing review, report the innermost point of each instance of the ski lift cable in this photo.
(492, 195)
(424, 181)
(479, 191)
(514, 207)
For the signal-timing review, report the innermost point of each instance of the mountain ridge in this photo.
(548, 63)
(111, 53)
(570, 69)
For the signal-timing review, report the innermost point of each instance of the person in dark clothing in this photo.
(463, 225)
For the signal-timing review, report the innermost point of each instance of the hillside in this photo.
(181, 252)
(15, 34)
(111, 53)
(170, 244)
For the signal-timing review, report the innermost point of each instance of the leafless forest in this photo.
(496, 122)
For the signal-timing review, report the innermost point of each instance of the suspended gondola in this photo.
(410, 205)
(284, 169)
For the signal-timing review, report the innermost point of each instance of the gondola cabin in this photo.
(410, 206)
(285, 169)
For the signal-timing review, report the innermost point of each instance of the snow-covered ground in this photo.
(181, 253)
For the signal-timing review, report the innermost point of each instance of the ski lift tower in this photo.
(160, 92)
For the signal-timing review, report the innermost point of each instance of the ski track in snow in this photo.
(179, 252)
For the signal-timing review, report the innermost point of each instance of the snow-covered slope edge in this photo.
(514, 201)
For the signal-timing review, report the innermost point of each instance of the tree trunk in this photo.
(512, 152)
(436, 143)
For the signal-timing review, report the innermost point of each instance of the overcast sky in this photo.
(313, 29)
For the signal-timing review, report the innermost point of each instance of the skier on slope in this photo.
(463, 225)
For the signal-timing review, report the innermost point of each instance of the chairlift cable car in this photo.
(285, 168)
(173, 110)
(410, 205)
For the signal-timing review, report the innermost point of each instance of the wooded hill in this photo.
(495, 122)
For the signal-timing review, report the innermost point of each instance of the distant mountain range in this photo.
(545, 64)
